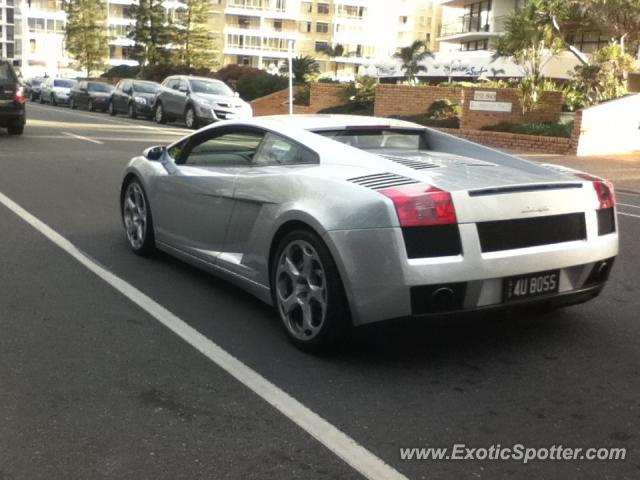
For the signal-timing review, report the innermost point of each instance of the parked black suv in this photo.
(12, 110)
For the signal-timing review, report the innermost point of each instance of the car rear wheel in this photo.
(159, 114)
(91, 106)
(16, 130)
(137, 220)
(112, 109)
(190, 118)
(132, 111)
(308, 293)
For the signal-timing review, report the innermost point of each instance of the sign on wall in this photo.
(484, 96)
(484, 106)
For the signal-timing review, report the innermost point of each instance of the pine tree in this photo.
(150, 33)
(193, 39)
(86, 34)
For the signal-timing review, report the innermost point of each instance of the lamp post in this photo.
(290, 55)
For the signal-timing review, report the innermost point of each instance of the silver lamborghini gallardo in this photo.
(341, 220)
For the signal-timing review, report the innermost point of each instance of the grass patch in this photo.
(549, 129)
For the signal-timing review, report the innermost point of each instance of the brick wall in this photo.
(407, 100)
(517, 142)
(549, 110)
(323, 95)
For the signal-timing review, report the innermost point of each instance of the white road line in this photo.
(107, 119)
(629, 215)
(80, 137)
(355, 455)
(628, 205)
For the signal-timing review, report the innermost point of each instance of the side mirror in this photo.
(155, 153)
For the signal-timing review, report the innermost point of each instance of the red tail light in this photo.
(422, 205)
(604, 189)
(19, 94)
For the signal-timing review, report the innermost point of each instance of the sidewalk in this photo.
(622, 170)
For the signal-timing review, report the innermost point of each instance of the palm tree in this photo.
(333, 52)
(300, 67)
(411, 57)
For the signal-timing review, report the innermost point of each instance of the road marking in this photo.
(107, 119)
(80, 137)
(628, 205)
(346, 448)
(629, 215)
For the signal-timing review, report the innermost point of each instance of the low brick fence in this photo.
(406, 100)
(516, 141)
(323, 95)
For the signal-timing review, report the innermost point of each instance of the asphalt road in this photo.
(91, 386)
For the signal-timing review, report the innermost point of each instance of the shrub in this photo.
(442, 109)
(158, 73)
(234, 72)
(574, 99)
(121, 71)
(302, 95)
(252, 87)
(550, 129)
(361, 93)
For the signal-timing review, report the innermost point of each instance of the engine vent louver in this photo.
(408, 162)
(379, 181)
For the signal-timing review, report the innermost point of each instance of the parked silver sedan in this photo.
(340, 220)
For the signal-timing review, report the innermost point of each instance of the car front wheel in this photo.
(137, 220)
(308, 293)
(159, 114)
(190, 118)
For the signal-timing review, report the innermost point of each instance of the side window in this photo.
(277, 150)
(182, 86)
(223, 150)
(126, 88)
(82, 86)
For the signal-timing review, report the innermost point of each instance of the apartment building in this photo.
(43, 23)
(468, 28)
(11, 31)
(258, 32)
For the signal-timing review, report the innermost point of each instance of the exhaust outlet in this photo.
(443, 299)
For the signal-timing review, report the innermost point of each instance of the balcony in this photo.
(472, 27)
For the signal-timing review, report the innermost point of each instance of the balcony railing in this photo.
(473, 24)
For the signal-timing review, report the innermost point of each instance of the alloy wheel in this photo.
(190, 118)
(134, 213)
(301, 290)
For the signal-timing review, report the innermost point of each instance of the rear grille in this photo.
(407, 162)
(606, 221)
(432, 241)
(531, 232)
(380, 181)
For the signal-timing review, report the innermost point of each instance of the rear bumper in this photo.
(12, 117)
(381, 282)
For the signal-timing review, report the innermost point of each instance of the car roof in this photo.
(330, 122)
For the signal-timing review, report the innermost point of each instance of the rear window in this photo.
(6, 73)
(379, 138)
(145, 87)
(64, 83)
(100, 87)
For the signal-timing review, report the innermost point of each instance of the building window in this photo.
(474, 46)
(244, 22)
(476, 17)
(9, 50)
(277, 25)
(427, 38)
(305, 27)
(322, 27)
(307, 7)
(322, 46)
(323, 8)
(404, 19)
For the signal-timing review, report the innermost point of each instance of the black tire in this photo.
(72, 104)
(148, 245)
(131, 111)
(336, 324)
(112, 109)
(159, 115)
(32, 97)
(90, 106)
(191, 118)
(16, 129)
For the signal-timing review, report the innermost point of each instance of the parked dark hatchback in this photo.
(133, 97)
(32, 88)
(12, 109)
(90, 95)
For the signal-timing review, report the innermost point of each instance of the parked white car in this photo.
(56, 90)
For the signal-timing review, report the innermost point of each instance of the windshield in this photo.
(210, 87)
(100, 87)
(6, 74)
(379, 138)
(64, 83)
(146, 87)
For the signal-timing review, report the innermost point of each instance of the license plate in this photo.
(531, 285)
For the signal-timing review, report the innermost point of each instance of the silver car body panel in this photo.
(225, 219)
